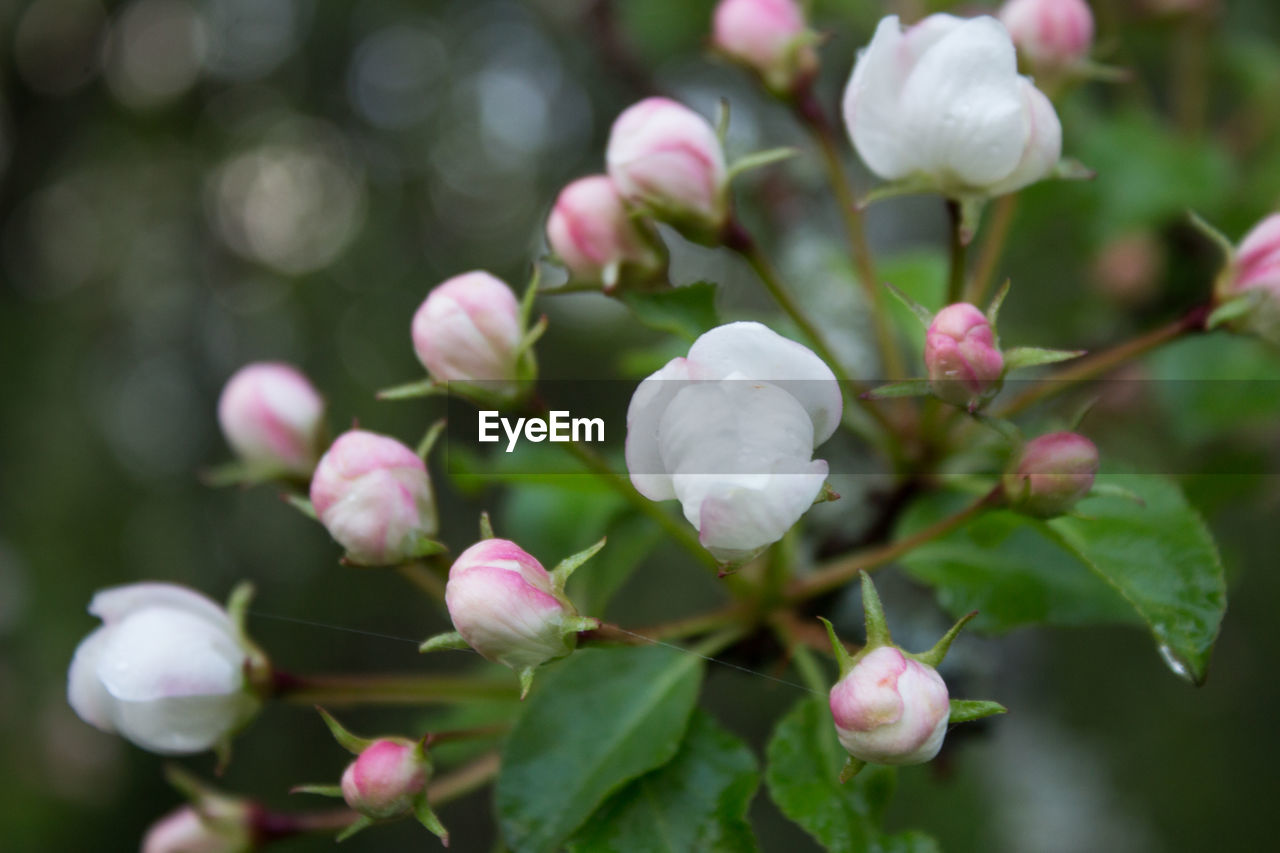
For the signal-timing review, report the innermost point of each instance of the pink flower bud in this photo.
(185, 830)
(1050, 33)
(890, 709)
(960, 353)
(596, 236)
(468, 330)
(386, 778)
(1256, 272)
(667, 159)
(272, 416)
(1052, 473)
(768, 36)
(502, 603)
(374, 496)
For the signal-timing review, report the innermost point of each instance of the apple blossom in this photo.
(1254, 275)
(1051, 474)
(729, 430)
(941, 106)
(468, 329)
(961, 356)
(890, 709)
(167, 669)
(386, 778)
(272, 417)
(768, 36)
(599, 239)
(667, 160)
(1051, 34)
(374, 497)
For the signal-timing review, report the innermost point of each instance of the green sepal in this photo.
(422, 811)
(877, 627)
(905, 388)
(1069, 169)
(444, 642)
(242, 474)
(257, 664)
(1215, 236)
(578, 624)
(1114, 490)
(1007, 429)
(530, 294)
(355, 826)
(302, 505)
(187, 784)
(967, 710)
(238, 607)
(429, 440)
(934, 656)
(924, 315)
(561, 573)
(843, 661)
(222, 755)
(531, 337)
(424, 547)
(760, 159)
(413, 390)
(852, 767)
(353, 744)
(827, 495)
(1234, 308)
(526, 681)
(897, 189)
(486, 526)
(971, 207)
(319, 790)
(721, 123)
(1020, 357)
(1086, 69)
(993, 310)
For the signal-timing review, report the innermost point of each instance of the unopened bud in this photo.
(272, 417)
(374, 496)
(667, 160)
(598, 239)
(468, 330)
(890, 709)
(960, 353)
(768, 36)
(1052, 473)
(1051, 34)
(186, 830)
(1255, 274)
(387, 778)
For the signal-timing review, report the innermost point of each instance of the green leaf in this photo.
(688, 310)
(697, 801)
(600, 718)
(1161, 558)
(804, 764)
(1020, 357)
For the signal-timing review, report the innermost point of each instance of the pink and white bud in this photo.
(166, 670)
(770, 37)
(272, 417)
(1255, 272)
(730, 432)
(890, 709)
(960, 354)
(1051, 34)
(468, 330)
(667, 160)
(1051, 474)
(942, 106)
(501, 601)
(374, 497)
(386, 778)
(185, 830)
(597, 237)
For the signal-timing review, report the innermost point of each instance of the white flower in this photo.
(166, 670)
(943, 105)
(729, 430)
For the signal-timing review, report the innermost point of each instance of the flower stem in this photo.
(811, 115)
(839, 571)
(463, 780)
(992, 249)
(959, 253)
(342, 690)
(1106, 361)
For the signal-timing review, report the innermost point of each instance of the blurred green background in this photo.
(189, 185)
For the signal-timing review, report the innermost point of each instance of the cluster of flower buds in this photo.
(387, 781)
(941, 107)
(470, 330)
(602, 242)
(730, 430)
(273, 418)
(510, 609)
(1051, 35)
(1051, 474)
(770, 37)
(169, 669)
(374, 497)
(1248, 290)
(891, 706)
